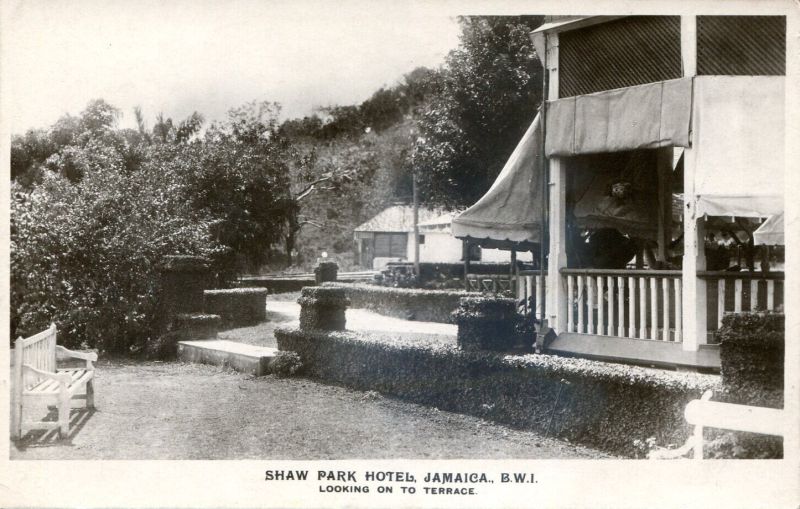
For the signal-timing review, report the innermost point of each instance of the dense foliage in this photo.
(487, 96)
(85, 255)
(95, 209)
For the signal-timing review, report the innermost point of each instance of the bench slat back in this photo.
(38, 351)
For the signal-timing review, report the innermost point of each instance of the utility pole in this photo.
(415, 200)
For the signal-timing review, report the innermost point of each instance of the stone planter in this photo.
(326, 272)
(323, 308)
(486, 323)
(183, 280)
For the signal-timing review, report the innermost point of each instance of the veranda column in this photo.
(694, 257)
(694, 260)
(556, 286)
(556, 302)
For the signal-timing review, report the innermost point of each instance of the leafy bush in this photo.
(599, 404)
(285, 364)
(85, 255)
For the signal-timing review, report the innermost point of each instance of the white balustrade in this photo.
(611, 304)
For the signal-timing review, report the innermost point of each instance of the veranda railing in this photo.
(740, 291)
(639, 304)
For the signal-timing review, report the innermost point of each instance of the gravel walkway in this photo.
(183, 411)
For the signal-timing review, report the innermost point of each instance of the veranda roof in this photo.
(396, 219)
(508, 215)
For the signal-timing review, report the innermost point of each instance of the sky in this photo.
(181, 56)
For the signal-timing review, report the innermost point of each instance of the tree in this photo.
(489, 92)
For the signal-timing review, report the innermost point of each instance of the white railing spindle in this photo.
(610, 284)
(570, 302)
(770, 295)
(642, 308)
(580, 305)
(631, 307)
(653, 308)
(678, 311)
(621, 307)
(601, 320)
(665, 310)
(737, 296)
(590, 304)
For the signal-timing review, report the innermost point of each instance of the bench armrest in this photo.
(88, 357)
(64, 378)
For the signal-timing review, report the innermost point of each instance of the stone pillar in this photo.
(486, 323)
(323, 308)
(325, 272)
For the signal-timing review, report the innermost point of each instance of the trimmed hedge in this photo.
(421, 305)
(182, 328)
(752, 347)
(278, 285)
(323, 308)
(237, 306)
(486, 323)
(752, 351)
(325, 271)
(602, 405)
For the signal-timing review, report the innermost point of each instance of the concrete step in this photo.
(241, 357)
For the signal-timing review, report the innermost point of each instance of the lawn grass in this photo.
(170, 410)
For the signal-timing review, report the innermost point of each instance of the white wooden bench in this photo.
(703, 413)
(35, 377)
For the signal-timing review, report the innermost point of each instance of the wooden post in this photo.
(466, 264)
(416, 222)
(16, 395)
(694, 260)
(556, 306)
(689, 45)
(512, 275)
(664, 168)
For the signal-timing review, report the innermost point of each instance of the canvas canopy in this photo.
(508, 215)
(640, 117)
(739, 145)
(770, 233)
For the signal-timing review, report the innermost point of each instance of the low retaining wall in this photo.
(601, 405)
(420, 305)
(237, 306)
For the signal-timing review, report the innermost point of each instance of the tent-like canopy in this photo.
(770, 233)
(509, 214)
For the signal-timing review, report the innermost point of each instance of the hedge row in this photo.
(279, 285)
(237, 306)
(594, 403)
(752, 349)
(409, 304)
